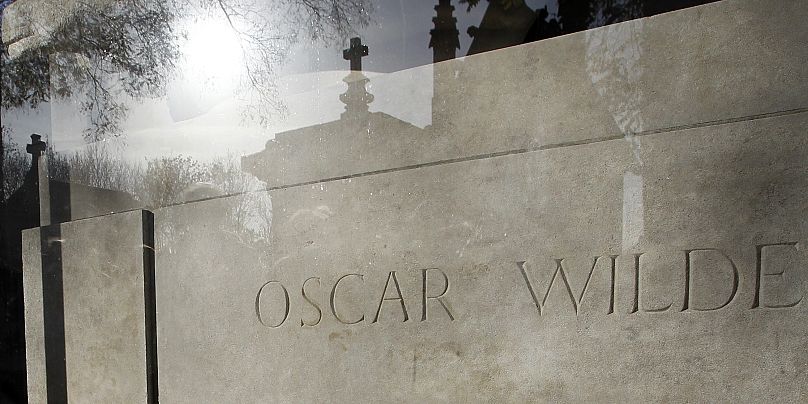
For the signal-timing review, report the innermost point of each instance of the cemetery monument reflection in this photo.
(601, 226)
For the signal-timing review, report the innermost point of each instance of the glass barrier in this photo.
(455, 200)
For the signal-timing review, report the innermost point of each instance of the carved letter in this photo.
(576, 301)
(688, 269)
(258, 304)
(637, 289)
(311, 302)
(400, 298)
(334, 307)
(439, 298)
(611, 293)
(760, 274)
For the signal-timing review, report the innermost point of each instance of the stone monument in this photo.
(617, 215)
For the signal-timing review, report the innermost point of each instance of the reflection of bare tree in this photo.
(133, 39)
(15, 164)
(242, 210)
(165, 179)
(264, 45)
(251, 211)
(130, 48)
(94, 166)
(160, 182)
(179, 179)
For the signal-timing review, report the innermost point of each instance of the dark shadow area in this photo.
(19, 212)
(150, 299)
(514, 22)
(53, 311)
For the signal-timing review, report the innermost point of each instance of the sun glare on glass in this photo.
(213, 51)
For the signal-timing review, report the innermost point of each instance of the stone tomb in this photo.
(571, 275)
(574, 274)
(628, 239)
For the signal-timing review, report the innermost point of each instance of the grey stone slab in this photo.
(522, 301)
(34, 317)
(723, 61)
(89, 310)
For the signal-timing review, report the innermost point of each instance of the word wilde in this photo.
(561, 278)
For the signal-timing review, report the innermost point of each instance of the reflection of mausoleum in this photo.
(359, 141)
(363, 142)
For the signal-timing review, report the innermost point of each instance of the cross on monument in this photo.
(37, 179)
(37, 146)
(355, 53)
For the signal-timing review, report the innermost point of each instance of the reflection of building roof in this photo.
(335, 149)
(359, 142)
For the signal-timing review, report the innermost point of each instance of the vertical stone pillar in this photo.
(90, 310)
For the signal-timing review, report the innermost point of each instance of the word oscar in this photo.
(391, 286)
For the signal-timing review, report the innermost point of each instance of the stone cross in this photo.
(37, 146)
(39, 171)
(355, 54)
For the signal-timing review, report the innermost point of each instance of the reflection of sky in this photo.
(202, 114)
(311, 99)
(398, 36)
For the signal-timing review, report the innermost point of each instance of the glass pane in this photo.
(455, 200)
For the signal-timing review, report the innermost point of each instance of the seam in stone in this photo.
(550, 146)
(486, 156)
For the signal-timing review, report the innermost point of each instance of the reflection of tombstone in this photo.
(356, 99)
(355, 54)
(19, 212)
(40, 201)
(22, 205)
(61, 200)
(358, 142)
(37, 178)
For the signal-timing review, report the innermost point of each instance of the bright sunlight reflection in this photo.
(213, 53)
(210, 70)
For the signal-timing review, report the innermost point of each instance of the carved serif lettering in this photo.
(772, 282)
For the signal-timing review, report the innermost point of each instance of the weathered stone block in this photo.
(89, 301)
(672, 268)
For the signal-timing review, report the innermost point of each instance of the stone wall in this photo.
(611, 216)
